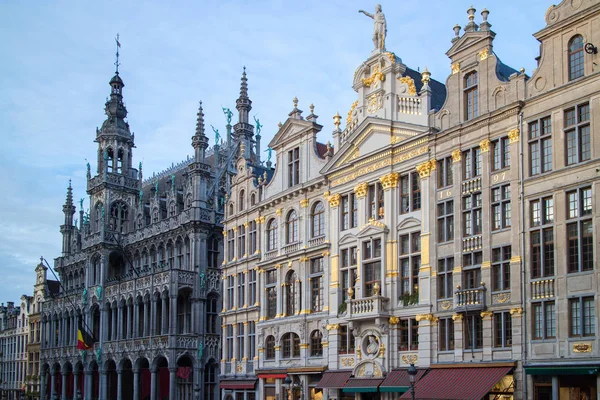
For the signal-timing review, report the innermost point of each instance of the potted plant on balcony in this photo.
(409, 299)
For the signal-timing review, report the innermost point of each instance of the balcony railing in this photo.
(470, 299)
(472, 243)
(270, 254)
(471, 186)
(542, 289)
(290, 248)
(370, 307)
(316, 241)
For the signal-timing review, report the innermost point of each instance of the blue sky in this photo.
(59, 55)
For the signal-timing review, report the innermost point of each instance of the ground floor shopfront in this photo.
(564, 382)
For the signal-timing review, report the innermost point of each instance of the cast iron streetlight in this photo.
(412, 372)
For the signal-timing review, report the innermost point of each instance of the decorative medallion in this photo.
(410, 358)
(582, 347)
(408, 81)
(375, 102)
(446, 305)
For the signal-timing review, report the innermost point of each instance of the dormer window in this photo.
(471, 96)
(294, 167)
(576, 57)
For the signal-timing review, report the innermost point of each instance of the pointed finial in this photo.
(484, 14)
(485, 25)
(425, 76)
(337, 119)
(471, 12)
(244, 85)
(117, 61)
(456, 29)
(200, 121)
(311, 108)
(295, 102)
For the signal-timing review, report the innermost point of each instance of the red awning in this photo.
(238, 384)
(466, 383)
(398, 378)
(274, 376)
(362, 385)
(334, 379)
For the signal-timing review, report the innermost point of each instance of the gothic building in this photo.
(140, 271)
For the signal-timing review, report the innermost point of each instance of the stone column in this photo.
(43, 385)
(136, 384)
(119, 384)
(52, 383)
(130, 321)
(172, 382)
(146, 318)
(153, 331)
(103, 384)
(487, 319)
(154, 372)
(87, 391)
(164, 326)
(75, 383)
(115, 324)
(136, 320)
(173, 314)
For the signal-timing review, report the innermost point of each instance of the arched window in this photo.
(118, 217)
(291, 224)
(98, 214)
(213, 252)
(211, 315)
(153, 258)
(253, 199)
(110, 156)
(270, 348)
(291, 345)
(317, 217)
(230, 209)
(179, 253)
(210, 380)
(242, 200)
(575, 57)
(292, 293)
(272, 235)
(120, 156)
(471, 96)
(316, 345)
(170, 255)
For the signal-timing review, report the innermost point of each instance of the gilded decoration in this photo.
(457, 317)
(348, 362)
(376, 77)
(334, 200)
(246, 224)
(408, 81)
(425, 77)
(485, 145)
(326, 195)
(361, 190)
(456, 155)
(446, 305)
(337, 119)
(373, 222)
(375, 102)
(486, 314)
(331, 327)
(425, 169)
(304, 203)
(389, 181)
(513, 135)
(394, 320)
(262, 220)
(349, 117)
(582, 347)
(279, 212)
(516, 310)
(410, 358)
(483, 54)
(424, 317)
(501, 297)
(239, 368)
(391, 56)
(515, 259)
(455, 68)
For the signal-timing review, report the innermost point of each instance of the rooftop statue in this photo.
(380, 29)
(228, 114)
(217, 136)
(258, 125)
(269, 151)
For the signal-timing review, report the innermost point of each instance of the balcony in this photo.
(471, 186)
(270, 254)
(470, 299)
(472, 243)
(542, 289)
(316, 241)
(290, 248)
(367, 308)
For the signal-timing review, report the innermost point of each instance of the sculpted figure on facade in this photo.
(380, 28)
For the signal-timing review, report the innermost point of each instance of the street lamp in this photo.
(412, 372)
(287, 382)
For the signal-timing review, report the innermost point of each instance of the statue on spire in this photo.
(217, 136)
(228, 115)
(380, 29)
(258, 125)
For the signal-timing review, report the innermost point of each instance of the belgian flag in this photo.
(85, 341)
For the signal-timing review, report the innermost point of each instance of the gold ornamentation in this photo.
(326, 195)
(410, 358)
(424, 317)
(239, 368)
(304, 203)
(516, 310)
(502, 297)
(408, 81)
(455, 68)
(376, 289)
(446, 305)
(334, 200)
(483, 54)
(485, 145)
(348, 362)
(515, 259)
(304, 345)
(391, 56)
(394, 320)
(456, 155)
(331, 327)
(425, 169)
(513, 135)
(224, 233)
(486, 314)
(582, 347)
(279, 212)
(361, 190)
(246, 224)
(389, 181)
(349, 117)
(375, 103)
(303, 259)
(374, 222)
(486, 264)
(350, 293)
(425, 77)
(337, 119)
(375, 78)
(262, 219)
(457, 317)
(325, 253)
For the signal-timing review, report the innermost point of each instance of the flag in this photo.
(85, 341)
(117, 40)
(183, 372)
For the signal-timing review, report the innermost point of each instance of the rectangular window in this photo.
(410, 263)
(444, 278)
(501, 268)
(445, 217)
(471, 163)
(252, 243)
(500, 154)
(230, 290)
(502, 329)
(501, 207)
(345, 213)
(271, 293)
(473, 332)
(410, 193)
(294, 167)
(372, 266)
(540, 146)
(582, 319)
(445, 172)
(577, 134)
(230, 245)
(471, 96)
(346, 340)
(229, 342)
(348, 270)
(241, 241)
(354, 211)
(251, 287)
(240, 341)
(580, 250)
(446, 334)
(241, 290)
(542, 237)
(375, 201)
(251, 340)
(472, 214)
(408, 331)
(316, 284)
(544, 320)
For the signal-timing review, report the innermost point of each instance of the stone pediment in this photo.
(565, 9)
(373, 227)
(292, 129)
(347, 239)
(472, 41)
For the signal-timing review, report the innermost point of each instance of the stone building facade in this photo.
(140, 272)
(14, 334)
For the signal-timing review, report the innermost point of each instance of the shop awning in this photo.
(273, 376)
(458, 383)
(238, 384)
(334, 379)
(398, 381)
(575, 370)
(362, 385)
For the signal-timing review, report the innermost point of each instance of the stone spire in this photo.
(67, 228)
(243, 103)
(199, 140)
(243, 130)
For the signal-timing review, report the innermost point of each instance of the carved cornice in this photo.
(389, 181)
(425, 169)
(361, 190)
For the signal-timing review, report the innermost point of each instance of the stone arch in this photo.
(160, 364)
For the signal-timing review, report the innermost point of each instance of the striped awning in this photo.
(334, 379)
(362, 385)
(398, 380)
(238, 384)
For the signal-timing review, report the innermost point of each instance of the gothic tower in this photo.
(243, 130)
